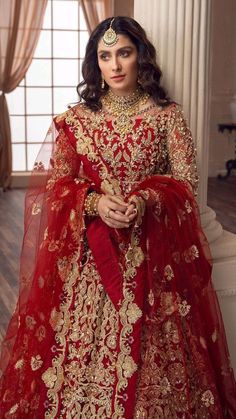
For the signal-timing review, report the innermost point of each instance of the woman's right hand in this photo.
(112, 210)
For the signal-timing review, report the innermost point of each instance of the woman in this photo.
(117, 317)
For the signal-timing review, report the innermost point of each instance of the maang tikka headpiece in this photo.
(110, 37)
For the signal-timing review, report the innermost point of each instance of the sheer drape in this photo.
(96, 10)
(20, 25)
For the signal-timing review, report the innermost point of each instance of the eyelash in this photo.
(124, 54)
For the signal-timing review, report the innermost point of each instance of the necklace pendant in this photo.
(122, 120)
(123, 124)
(123, 108)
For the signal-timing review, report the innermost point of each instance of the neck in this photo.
(124, 93)
(121, 103)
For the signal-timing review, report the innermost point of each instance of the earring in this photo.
(103, 83)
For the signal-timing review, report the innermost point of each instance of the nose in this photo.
(115, 64)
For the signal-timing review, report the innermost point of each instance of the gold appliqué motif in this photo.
(133, 312)
(36, 209)
(36, 362)
(56, 320)
(19, 364)
(40, 333)
(208, 398)
(13, 409)
(191, 254)
(129, 366)
(184, 308)
(165, 386)
(49, 377)
(151, 298)
(188, 207)
(30, 322)
(39, 167)
(203, 342)
(214, 336)
(168, 273)
(135, 256)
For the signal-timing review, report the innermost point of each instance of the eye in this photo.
(103, 57)
(124, 53)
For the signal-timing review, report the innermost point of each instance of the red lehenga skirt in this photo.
(116, 323)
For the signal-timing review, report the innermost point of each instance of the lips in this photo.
(118, 77)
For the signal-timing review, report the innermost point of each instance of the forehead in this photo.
(123, 41)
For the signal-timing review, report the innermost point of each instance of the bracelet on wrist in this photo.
(91, 204)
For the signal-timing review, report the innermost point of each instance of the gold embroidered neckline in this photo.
(139, 112)
(83, 111)
(124, 108)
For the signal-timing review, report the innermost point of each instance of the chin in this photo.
(123, 87)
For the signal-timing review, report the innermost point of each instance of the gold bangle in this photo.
(91, 204)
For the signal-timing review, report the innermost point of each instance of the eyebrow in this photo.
(119, 49)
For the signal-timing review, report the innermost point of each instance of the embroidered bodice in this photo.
(160, 143)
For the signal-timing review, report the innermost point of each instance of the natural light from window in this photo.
(51, 80)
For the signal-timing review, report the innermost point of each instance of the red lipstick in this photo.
(118, 77)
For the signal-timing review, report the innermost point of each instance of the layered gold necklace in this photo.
(124, 108)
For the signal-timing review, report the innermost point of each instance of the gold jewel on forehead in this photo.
(110, 37)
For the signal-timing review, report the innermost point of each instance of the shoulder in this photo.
(173, 109)
(166, 112)
(171, 118)
(174, 116)
(167, 115)
(77, 111)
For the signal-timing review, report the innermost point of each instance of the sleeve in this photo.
(181, 162)
(55, 200)
(181, 152)
(64, 163)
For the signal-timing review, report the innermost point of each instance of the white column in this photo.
(180, 30)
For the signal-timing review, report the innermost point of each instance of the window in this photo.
(50, 82)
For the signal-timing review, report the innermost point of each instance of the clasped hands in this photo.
(115, 212)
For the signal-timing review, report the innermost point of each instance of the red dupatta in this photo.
(167, 273)
(54, 227)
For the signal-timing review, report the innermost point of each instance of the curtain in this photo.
(96, 10)
(20, 25)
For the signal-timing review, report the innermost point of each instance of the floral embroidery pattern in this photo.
(87, 376)
(208, 398)
(19, 364)
(36, 362)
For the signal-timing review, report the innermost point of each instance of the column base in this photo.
(223, 249)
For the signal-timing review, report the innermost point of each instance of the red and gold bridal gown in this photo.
(116, 323)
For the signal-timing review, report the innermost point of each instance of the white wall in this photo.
(223, 82)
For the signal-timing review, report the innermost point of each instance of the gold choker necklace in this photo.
(123, 108)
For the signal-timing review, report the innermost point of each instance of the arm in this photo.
(64, 164)
(65, 191)
(180, 150)
(181, 160)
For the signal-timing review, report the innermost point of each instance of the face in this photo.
(119, 65)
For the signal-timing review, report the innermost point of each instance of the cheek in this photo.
(100, 64)
(103, 67)
(133, 67)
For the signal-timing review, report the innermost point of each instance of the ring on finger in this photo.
(108, 212)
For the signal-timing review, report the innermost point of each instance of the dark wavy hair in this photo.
(149, 73)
